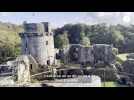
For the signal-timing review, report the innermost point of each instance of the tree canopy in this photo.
(117, 35)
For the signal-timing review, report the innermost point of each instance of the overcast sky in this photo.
(58, 19)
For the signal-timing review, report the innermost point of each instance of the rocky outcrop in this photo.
(106, 74)
(128, 68)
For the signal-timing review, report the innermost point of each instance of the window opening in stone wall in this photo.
(48, 62)
(46, 28)
(31, 67)
(50, 33)
(46, 42)
(46, 34)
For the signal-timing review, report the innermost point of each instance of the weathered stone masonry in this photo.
(37, 41)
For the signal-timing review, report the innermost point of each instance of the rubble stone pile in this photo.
(130, 56)
(106, 74)
(128, 68)
(99, 56)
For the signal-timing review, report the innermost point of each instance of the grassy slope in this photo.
(122, 57)
(9, 33)
(112, 84)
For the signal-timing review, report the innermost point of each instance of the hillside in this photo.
(9, 33)
(9, 41)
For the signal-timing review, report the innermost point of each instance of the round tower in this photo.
(37, 41)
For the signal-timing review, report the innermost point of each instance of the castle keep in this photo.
(37, 41)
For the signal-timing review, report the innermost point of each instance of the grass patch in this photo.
(122, 57)
(33, 80)
(112, 84)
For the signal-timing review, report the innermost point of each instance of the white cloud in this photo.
(110, 17)
(102, 14)
(126, 19)
(5, 13)
(58, 20)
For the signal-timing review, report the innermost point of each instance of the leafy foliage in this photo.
(85, 41)
(9, 41)
(61, 41)
(120, 36)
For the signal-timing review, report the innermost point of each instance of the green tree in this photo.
(82, 35)
(8, 51)
(61, 40)
(85, 41)
(117, 37)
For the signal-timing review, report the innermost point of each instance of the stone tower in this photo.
(37, 41)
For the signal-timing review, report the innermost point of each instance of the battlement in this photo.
(43, 27)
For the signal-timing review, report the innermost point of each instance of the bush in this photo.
(8, 52)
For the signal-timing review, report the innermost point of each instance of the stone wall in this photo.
(92, 55)
(23, 69)
(81, 81)
(37, 40)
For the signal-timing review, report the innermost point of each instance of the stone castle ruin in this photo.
(37, 41)
(38, 44)
(38, 53)
(97, 53)
(100, 57)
